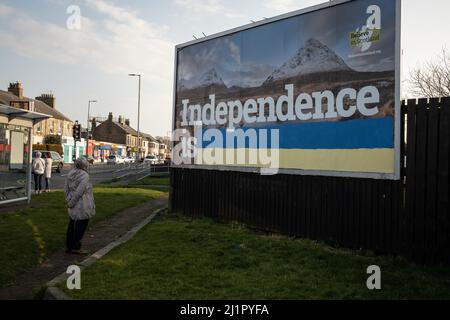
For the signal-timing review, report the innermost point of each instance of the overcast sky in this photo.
(138, 36)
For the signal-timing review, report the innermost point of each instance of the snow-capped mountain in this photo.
(209, 78)
(314, 57)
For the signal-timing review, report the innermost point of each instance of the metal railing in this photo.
(139, 171)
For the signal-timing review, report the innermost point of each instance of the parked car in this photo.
(90, 159)
(115, 159)
(151, 160)
(58, 161)
(129, 160)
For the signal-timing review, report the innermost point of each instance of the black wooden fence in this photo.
(409, 217)
(426, 231)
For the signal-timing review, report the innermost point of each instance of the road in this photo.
(98, 174)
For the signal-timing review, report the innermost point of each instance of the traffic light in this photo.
(77, 131)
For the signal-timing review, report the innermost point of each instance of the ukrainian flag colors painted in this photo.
(358, 160)
(364, 145)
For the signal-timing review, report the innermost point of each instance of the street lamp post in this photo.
(139, 113)
(87, 128)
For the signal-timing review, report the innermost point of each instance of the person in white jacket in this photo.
(80, 203)
(48, 171)
(38, 172)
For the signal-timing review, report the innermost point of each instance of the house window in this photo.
(60, 129)
(52, 127)
(39, 127)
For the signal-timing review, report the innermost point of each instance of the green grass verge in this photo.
(152, 181)
(174, 258)
(30, 235)
(163, 181)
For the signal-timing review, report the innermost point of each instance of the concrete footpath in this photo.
(100, 236)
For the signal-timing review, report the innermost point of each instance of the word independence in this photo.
(305, 107)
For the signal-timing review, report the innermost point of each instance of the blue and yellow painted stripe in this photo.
(350, 146)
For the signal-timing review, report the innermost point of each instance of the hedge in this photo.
(49, 147)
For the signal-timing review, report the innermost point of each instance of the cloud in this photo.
(119, 42)
(5, 10)
(284, 6)
(213, 6)
(208, 6)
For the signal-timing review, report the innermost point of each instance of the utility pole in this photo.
(87, 127)
(139, 113)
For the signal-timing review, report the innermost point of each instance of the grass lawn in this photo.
(30, 235)
(174, 258)
(153, 181)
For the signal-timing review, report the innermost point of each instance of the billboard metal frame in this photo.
(397, 134)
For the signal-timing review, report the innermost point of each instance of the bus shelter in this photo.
(16, 141)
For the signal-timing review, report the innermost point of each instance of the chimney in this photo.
(94, 124)
(16, 89)
(48, 99)
(127, 122)
(120, 120)
(110, 117)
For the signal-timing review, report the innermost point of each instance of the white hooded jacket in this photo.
(78, 191)
(38, 165)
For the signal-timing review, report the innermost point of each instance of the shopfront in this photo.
(102, 150)
(15, 152)
(71, 151)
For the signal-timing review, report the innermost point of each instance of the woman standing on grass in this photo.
(48, 171)
(80, 201)
(38, 172)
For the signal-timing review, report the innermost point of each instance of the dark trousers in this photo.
(47, 183)
(38, 182)
(75, 232)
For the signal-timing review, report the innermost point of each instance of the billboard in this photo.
(315, 92)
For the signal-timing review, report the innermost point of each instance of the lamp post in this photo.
(139, 113)
(87, 128)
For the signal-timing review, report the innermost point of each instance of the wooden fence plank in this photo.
(443, 221)
(431, 176)
(421, 178)
(384, 189)
(307, 188)
(410, 177)
(358, 212)
(389, 221)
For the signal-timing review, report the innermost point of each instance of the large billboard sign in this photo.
(315, 91)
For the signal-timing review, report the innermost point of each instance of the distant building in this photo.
(164, 147)
(58, 124)
(118, 131)
(152, 145)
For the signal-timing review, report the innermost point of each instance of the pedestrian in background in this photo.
(80, 201)
(48, 171)
(38, 172)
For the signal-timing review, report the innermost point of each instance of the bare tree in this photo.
(433, 78)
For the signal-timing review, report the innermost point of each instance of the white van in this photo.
(115, 159)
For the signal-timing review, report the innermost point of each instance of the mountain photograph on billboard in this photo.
(325, 79)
